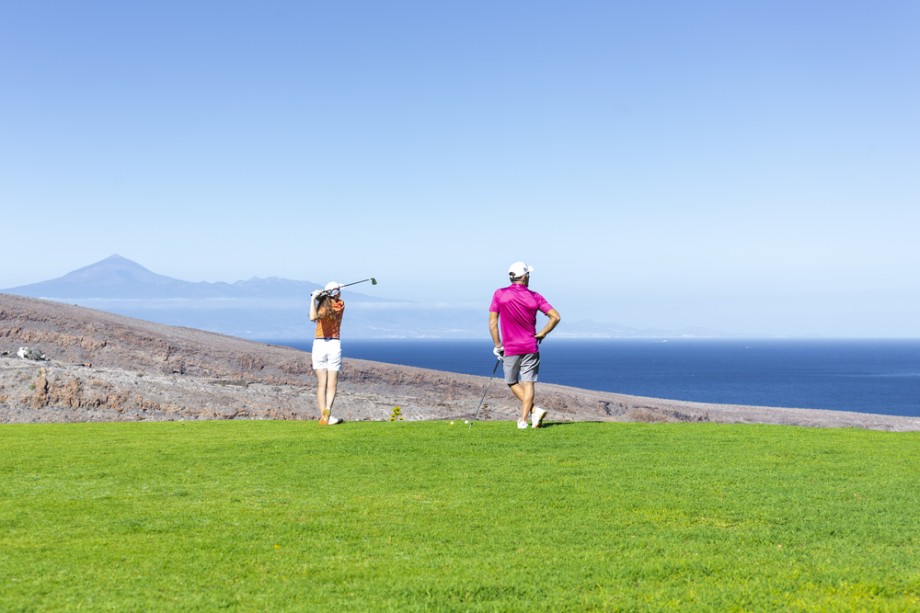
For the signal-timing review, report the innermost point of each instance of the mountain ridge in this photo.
(277, 308)
(117, 277)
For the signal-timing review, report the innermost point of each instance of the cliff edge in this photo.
(99, 366)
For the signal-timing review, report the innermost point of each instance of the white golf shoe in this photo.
(537, 417)
(334, 420)
(522, 424)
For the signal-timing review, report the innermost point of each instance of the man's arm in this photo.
(554, 319)
(493, 329)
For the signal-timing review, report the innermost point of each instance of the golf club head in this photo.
(373, 281)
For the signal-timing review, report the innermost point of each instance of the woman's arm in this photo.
(313, 314)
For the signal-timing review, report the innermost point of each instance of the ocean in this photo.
(870, 376)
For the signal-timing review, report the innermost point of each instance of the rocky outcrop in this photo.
(105, 367)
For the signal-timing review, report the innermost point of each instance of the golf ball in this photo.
(466, 421)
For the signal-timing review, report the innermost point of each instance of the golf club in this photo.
(371, 279)
(486, 389)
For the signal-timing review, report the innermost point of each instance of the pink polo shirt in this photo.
(517, 308)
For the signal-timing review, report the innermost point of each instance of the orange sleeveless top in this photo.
(331, 327)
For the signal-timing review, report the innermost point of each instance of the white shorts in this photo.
(327, 354)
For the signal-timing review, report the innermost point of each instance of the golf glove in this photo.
(499, 352)
(315, 294)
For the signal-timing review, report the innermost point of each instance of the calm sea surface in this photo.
(872, 376)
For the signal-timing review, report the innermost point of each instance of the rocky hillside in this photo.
(103, 367)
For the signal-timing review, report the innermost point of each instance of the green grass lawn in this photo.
(261, 515)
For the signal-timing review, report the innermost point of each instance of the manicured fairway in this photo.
(433, 516)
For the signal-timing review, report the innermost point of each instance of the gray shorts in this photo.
(521, 368)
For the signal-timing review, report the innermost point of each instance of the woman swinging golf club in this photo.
(326, 309)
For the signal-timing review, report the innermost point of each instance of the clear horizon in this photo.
(746, 168)
(604, 330)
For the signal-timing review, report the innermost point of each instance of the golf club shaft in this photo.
(327, 292)
(371, 279)
(485, 390)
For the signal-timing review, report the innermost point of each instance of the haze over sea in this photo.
(870, 376)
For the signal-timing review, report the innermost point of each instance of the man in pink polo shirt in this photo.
(513, 324)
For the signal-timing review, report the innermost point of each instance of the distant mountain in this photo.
(119, 278)
(271, 308)
(277, 309)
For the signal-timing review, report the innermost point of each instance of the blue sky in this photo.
(750, 167)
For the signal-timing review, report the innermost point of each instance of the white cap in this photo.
(332, 286)
(519, 269)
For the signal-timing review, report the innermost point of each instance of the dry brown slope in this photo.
(109, 367)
